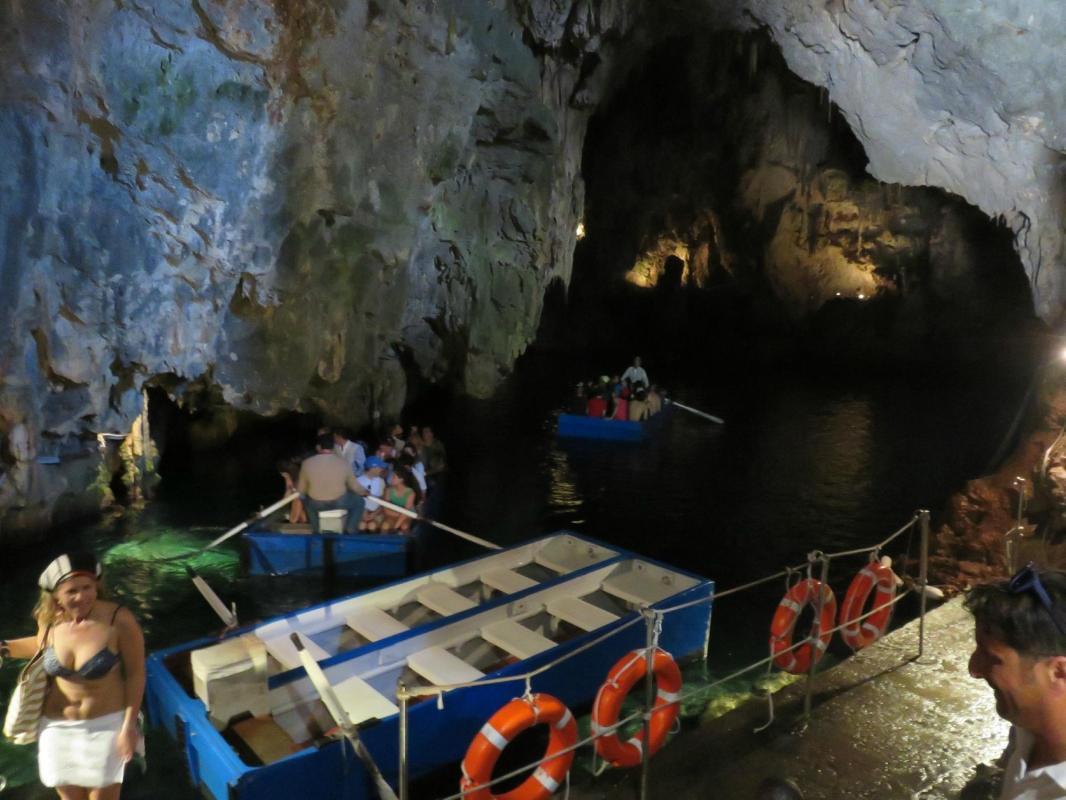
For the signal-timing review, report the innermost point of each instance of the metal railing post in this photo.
(402, 697)
(815, 634)
(923, 576)
(649, 695)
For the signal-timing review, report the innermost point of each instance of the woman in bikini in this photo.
(94, 657)
(402, 491)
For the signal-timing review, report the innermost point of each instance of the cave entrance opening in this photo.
(211, 454)
(712, 154)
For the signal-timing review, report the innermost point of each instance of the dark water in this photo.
(803, 462)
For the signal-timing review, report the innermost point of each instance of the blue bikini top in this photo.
(96, 667)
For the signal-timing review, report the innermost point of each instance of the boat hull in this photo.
(364, 555)
(577, 426)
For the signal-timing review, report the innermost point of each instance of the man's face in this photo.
(1017, 681)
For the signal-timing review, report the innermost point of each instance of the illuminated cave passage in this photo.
(726, 199)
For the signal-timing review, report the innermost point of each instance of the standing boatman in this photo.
(635, 374)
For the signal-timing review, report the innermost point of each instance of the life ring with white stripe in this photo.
(858, 635)
(501, 729)
(608, 707)
(783, 625)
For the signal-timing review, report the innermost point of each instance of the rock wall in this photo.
(295, 203)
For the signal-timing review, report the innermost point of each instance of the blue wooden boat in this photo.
(287, 552)
(579, 426)
(251, 725)
(276, 548)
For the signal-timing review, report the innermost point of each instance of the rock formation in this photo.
(302, 204)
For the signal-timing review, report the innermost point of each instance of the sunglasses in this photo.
(1027, 579)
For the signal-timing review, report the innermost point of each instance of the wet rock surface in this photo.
(311, 206)
(883, 725)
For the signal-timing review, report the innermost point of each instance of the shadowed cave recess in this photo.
(584, 182)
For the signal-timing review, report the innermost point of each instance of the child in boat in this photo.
(402, 491)
(621, 405)
(373, 481)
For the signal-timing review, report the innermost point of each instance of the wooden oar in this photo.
(266, 512)
(340, 716)
(227, 615)
(454, 531)
(698, 413)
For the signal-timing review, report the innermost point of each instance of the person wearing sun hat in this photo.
(93, 652)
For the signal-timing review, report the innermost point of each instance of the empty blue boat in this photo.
(251, 725)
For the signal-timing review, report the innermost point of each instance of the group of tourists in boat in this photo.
(629, 396)
(401, 470)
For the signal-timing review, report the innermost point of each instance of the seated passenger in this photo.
(297, 513)
(414, 438)
(655, 400)
(597, 405)
(374, 483)
(351, 451)
(410, 460)
(621, 407)
(402, 492)
(433, 455)
(638, 406)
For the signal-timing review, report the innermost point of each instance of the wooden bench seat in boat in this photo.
(362, 701)
(579, 613)
(516, 639)
(284, 651)
(373, 624)
(441, 668)
(444, 600)
(507, 580)
(637, 587)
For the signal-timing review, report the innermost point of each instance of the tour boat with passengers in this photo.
(273, 547)
(248, 709)
(582, 426)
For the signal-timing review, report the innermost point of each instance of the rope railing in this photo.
(653, 618)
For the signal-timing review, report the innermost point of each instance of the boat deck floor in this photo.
(883, 726)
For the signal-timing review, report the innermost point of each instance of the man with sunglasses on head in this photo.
(1020, 627)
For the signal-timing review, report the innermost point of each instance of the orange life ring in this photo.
(783, 625)
(859, 635)
(608, 706)
(501, 729)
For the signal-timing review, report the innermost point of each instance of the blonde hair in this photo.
(47, 612)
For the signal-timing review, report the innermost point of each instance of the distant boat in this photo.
(250, 723)
(580, 426)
